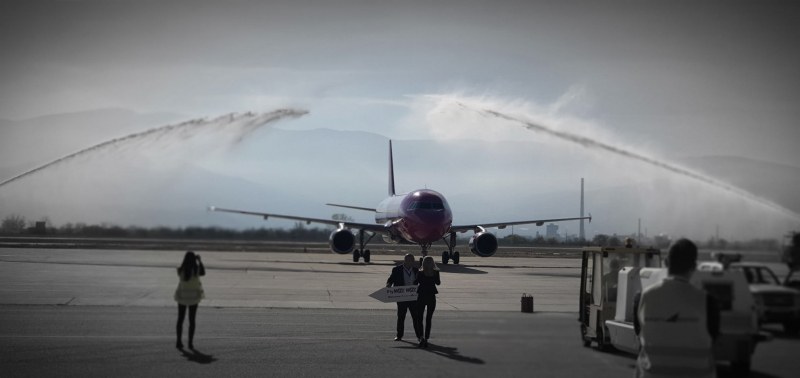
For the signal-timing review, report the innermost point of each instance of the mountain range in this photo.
(281, 170)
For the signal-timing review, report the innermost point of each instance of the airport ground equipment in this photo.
(791, 256)
(526, 303)
(598, 290)
(774, 302)
(612, 303)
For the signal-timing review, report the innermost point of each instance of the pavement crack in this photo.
(452, 305)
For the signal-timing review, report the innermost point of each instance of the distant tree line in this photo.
(16, 225)
(658, 241)
(752, 244)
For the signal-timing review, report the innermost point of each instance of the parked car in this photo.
(775, 303)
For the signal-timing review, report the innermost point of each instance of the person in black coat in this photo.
(406, 275)
(426, 282)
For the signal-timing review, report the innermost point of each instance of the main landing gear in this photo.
(450, 253)
(360, 251)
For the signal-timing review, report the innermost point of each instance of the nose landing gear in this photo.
(450, 253)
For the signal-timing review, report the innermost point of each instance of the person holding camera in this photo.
(189, 293)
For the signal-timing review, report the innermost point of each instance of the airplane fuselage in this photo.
(422, 216)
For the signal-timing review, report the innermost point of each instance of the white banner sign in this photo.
(396, 294)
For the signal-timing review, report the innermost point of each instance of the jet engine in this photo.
(390, 239)
(342, 241)
(483, 244)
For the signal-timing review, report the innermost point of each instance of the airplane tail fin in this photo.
(391, 170)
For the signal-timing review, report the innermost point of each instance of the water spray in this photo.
(591, 143)
(244, 124)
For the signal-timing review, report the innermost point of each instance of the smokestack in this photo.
(582, 235)
(639, 233)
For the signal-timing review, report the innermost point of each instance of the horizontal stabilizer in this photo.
(353, 207)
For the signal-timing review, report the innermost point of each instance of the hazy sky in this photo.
(672, 78)
(699, 77)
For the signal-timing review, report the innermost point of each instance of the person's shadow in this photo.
(195, 355)
(449, 352)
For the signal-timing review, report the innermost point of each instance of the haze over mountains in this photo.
(281, 170)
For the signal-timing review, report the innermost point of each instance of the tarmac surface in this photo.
(72, 312)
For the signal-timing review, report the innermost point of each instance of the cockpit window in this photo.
(422, 205)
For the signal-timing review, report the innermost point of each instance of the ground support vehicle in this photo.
(612, 326)
(599, 284)
(774, 302)
(791, 256)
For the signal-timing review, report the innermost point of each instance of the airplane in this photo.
(420, 217)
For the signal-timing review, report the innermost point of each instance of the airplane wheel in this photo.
(791, 327)
(445, 257)
(456, 257)
(741, 366)
(356, 255)
(602, 344)
(587, 341)
(366, 256)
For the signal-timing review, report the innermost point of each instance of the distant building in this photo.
(552, 231)
(40, 228)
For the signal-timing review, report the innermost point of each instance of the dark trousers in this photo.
(430, 303)
(181, 315)
(402, 308)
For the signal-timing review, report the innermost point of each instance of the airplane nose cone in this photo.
(428, 226)
(427, 216)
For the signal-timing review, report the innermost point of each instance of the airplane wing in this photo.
(372, 227)
(501, 225)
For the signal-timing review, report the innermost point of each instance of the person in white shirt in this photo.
(676, 321)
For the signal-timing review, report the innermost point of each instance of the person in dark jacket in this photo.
(406, 275)
(427, 279)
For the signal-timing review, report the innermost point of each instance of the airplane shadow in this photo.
(195, 355)
(448, 352)
(554, 274)
(459, 269)
(363, 263)
(450, 268)
(446, 268)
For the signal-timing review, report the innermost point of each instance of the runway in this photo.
(107, 312)
(283, 280)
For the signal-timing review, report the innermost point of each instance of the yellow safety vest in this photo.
(674, 334)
